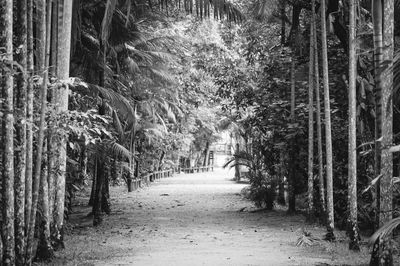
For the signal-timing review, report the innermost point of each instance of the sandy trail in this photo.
(192, 219)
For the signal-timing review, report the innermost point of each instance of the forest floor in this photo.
(196, 219)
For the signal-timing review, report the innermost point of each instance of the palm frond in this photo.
(117, 100)
(117, 124)
(116, 149)
(241, 158)
(385, 230)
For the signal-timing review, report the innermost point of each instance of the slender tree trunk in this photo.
(310, 182)
(377, 20)
(97, 213)
(237, 166)
(160, 161)
(384, 47)
(51, 141)
(319, 124)
(386, 185)
(41, 48)
(293, 149)
(44, 249)
(282, 10)
(20, 153)
(60, 100)
(105, 196)
(6, 41)
(352, 181)
(29, 118)
(92, 192)
(328, 132)
(281, 188)
(206, 154)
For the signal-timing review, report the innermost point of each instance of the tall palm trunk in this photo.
(318, 118)
(29, 117)
(6, 41)
(386, 185)
(45, 249)
(383, 22)
(206, 154)
(41, 48)
(310, 182)
(60, 100)
(98, 189)
(51, 161)
(281, 194)
(377, 20)
(352, 181)
(293, 148)
(282, 11)
(328, 132)
(237, 166)
(20, 153)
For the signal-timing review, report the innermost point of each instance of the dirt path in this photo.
(191, 220)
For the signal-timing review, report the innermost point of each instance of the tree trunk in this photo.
(44, 249)
(41, 48)
(352, 181)
(281, 188)
(60, 100)
(283, 24)
(29, 117)
(105, 196)
(97, 213)
(319, 126)
(377, 20)
(20, 153)
(160, 161)
(6, 41)
(328, 132)
(237, 166)
(51, 55)
(94, 179)
(292, 156)
(51, 141)
(206, 154)
(310, 182)
(384, 46)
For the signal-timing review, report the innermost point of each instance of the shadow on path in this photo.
(189, 219)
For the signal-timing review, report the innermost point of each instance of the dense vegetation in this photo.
(99, 92)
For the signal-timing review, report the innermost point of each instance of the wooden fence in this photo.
(154, 176)
(199, 169)
(151, 177)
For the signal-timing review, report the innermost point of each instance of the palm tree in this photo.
(318, 115)
(328, 137)
(352, 181)
(21, 132)
(310, 191)
(383, 21)
(41, 62)
(6, 41)
(60, 100)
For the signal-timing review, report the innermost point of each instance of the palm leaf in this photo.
(385, 230)
(110, 146)
(118, 101)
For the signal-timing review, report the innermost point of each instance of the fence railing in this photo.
(198, 169)
(151, 177)
(146, 179)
